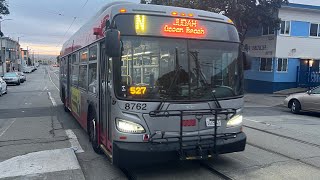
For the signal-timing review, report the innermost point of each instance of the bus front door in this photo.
(104, 99)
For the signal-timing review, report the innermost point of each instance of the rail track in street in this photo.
(283, 136)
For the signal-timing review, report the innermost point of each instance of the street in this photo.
(37, 138)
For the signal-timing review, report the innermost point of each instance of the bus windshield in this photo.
(178, 69)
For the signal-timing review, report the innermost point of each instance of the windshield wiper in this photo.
(175, 78)
(203, 80)
(200, 76)
(213, 94)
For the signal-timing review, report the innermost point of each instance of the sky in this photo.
(44, 25)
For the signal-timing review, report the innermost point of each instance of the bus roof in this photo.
(93, 29)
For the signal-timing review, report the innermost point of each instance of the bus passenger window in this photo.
(83, 76)
(74, 77)
(75, 59)
(84, 55)
(93, 78)
(93, 53)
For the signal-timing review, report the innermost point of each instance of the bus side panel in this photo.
(84, 109)
(78, 102)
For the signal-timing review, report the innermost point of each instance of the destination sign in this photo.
(186, 27)
(178, 27)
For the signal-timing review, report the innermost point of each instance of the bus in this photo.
(152, 83)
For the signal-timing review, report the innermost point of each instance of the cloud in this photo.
(42, 24)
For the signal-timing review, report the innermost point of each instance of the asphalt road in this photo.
(280, 145)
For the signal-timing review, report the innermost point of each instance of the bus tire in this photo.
(93, 132)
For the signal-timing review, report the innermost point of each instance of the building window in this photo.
(285, 27)
(266, 30)
(266, 64)
(282, 65)
(314, 30)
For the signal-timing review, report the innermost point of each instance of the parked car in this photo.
(3, 87)
(12, 78)
(23, 77)
(27, 69)
(307, 101)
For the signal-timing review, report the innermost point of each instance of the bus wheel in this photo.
(93, 133)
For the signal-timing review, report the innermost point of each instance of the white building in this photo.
(9, 55)
(289, 57)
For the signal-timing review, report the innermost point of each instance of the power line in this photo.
(74, 19)
(85, 4)
(46, 11)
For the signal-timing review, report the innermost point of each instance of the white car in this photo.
(3, 87)
(27, 69)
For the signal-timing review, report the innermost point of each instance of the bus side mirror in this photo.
(247, 60)
(113, 43)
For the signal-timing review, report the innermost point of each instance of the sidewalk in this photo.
(269, 100)
(49, 164)
(263, 100)
(291, 91)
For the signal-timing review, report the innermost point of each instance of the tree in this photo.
(4, 10)
(246, 14)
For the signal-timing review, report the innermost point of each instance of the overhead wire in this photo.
(74, 19)
(85, 3)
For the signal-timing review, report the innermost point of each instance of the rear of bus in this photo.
(177, 85)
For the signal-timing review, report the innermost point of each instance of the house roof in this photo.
(302, 6)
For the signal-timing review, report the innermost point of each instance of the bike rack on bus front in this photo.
(207, 137)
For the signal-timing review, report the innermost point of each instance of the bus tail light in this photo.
(190, 15)
(129, 127)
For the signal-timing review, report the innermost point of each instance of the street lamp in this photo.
(2, 56)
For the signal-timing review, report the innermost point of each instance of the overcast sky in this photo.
(43, 25)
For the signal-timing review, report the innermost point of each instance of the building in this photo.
(24, 57)
(9, 55)
(286, 58)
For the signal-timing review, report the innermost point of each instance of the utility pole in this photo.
(33, 57)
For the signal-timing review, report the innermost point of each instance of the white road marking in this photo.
(5, 130)
(52, 100)
(56, 75)
(261, 122)
(52, 82)
(39, 163)
(74, 141)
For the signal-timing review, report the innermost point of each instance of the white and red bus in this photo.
(155, 83)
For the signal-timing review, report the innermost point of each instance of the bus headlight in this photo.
(235, 121)
(129, 127)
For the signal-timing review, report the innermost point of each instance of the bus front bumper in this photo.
(126, 154)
